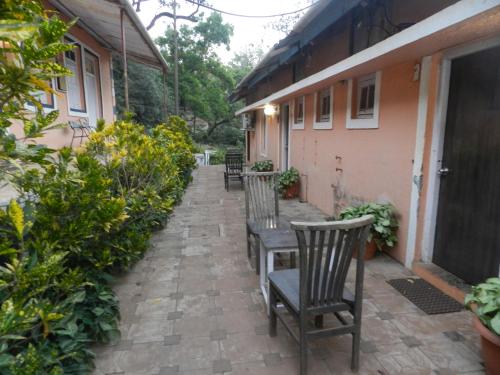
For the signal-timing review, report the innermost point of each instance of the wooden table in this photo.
(274, 241)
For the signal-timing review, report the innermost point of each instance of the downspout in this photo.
(124, 56)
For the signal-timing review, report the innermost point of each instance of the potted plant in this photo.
(263, 166)
(383, 230)
(484, 301)
(289, 183)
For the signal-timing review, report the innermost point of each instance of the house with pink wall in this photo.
(392, 101)
(103, 28)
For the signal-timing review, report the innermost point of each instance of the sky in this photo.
(247, 31)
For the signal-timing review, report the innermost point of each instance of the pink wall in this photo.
(366, 158)
(58, 138)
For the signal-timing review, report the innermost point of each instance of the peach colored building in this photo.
(363, 92)
(88, 95)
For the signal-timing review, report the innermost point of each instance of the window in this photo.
(323, 109)
(93, 87)
(46, 98)
(366, 97)
(363, 102)
(263, 136)
(298, 113)
(75, 86)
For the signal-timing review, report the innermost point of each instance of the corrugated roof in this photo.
(101, 18)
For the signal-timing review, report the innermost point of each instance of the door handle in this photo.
(444, 171)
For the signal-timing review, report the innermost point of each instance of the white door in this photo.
(92, 88)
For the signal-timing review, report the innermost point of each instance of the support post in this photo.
(165, 94)
(124, 56)
(176, 62)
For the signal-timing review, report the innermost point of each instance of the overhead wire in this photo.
(249, 15)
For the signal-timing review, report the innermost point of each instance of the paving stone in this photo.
(172, 340)
(262, 329)
(385, 315)
(213, 293)
(368, 347)
(218, 334)
(170, 370)
(221, 365)
(454, 336)
(215, 311)
(255, 307)
(411, 341)
(175, 315)
(176, 295)
(272, 359)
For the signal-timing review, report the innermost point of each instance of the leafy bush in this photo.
(288, 178)
(263, 166)
(218, 157)
(485, 301)
(383, 230)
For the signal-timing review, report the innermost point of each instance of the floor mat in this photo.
(426, 297)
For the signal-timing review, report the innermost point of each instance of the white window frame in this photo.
(84, 47)
(363, 82)
(297, 125)
(46, 108)
(320, 125)
(371, 122)
(264, 136)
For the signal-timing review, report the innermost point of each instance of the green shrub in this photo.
(218, 157)
(263, 166)
(383, 230)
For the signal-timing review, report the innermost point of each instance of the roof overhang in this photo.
(102, 20)
(462, 22)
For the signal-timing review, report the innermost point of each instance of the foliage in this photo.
(287, 179)
(383, 229)
(218, 157)
(263, 166)
(146, 92)
(485, 301)
(30, 39)
(83, 217)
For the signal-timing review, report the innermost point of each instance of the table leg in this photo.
(263, 273)
(270, 268)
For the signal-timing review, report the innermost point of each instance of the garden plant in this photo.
(81, 216)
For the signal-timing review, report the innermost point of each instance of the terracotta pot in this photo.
(490, 344)
(370, 250)
(292, 191)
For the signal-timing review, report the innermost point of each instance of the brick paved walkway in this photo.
(192, 306)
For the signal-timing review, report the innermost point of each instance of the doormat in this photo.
(426, 297)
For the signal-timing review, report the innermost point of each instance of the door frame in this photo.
(438, 134)
(282, 137)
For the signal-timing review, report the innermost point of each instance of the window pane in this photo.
(76, 97)
(363, 99)
(371, 97)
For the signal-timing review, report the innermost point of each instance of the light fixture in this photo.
(269, 109)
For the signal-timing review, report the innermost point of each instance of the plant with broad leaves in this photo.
(485, 302)
(263, 166)
(383, 230)
(288, 178)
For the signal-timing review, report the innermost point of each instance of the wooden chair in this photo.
(262, 209)
(234, 169)
(318, 287)
(81, 129)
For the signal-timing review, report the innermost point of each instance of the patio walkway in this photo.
(192, 306)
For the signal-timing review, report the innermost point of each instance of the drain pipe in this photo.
(303, 198)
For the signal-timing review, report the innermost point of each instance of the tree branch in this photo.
(190, 17)
(216, 125)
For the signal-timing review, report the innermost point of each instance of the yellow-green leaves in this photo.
(16, 216)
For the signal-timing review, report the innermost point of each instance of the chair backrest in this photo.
(234, 163)
(325, 259)
(261, 198)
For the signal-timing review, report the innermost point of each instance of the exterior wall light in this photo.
(269, 110)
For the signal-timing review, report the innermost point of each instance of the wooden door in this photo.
(467, 241)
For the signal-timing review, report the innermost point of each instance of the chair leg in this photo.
(273, 319)
(318, 321)
(249, 244)
(257, 255)
(303, 347)
(356, 340)
(292, 260)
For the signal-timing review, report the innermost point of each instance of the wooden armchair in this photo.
(234, 168)
(262, 209)
(318, 287)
